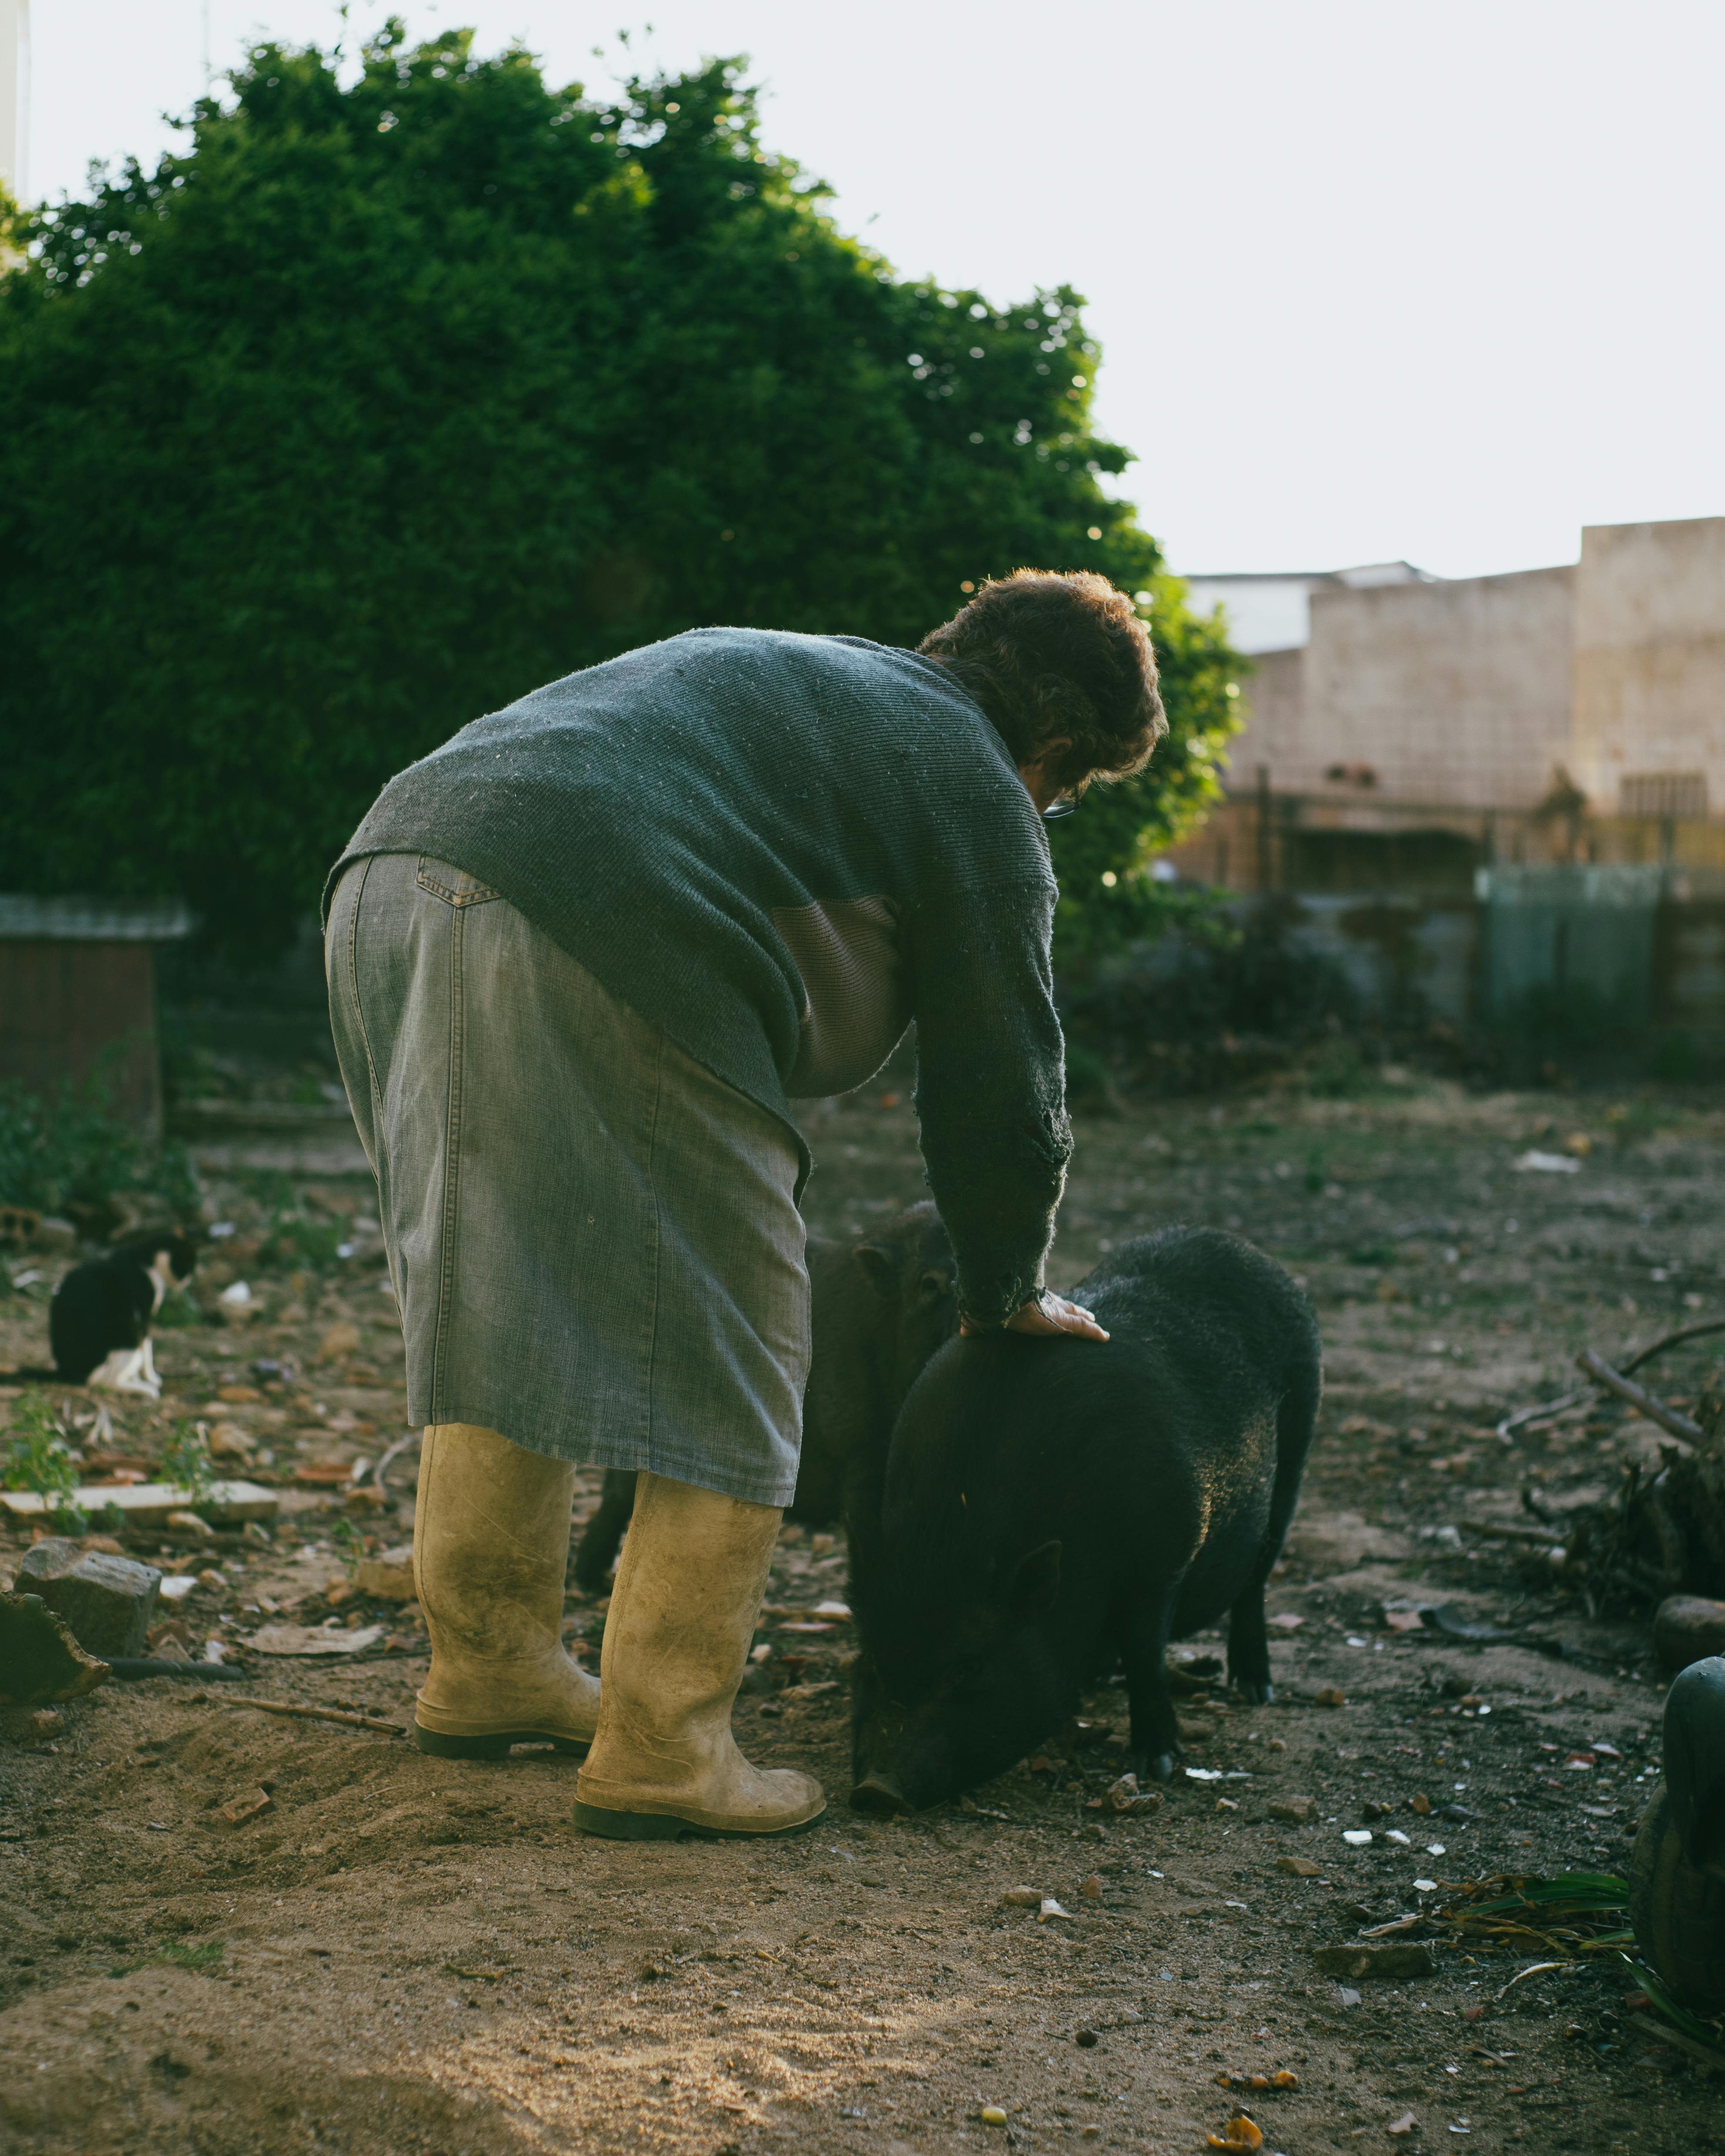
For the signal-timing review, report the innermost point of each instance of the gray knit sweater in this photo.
(664, 817)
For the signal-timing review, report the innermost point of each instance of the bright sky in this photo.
(1373, 279)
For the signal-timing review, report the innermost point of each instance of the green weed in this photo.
(37, 1457)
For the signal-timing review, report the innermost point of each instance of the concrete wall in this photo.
(1450, 693)
(1649, 676)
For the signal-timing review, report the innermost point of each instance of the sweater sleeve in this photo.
(991, 1085)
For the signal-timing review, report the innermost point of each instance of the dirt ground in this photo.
(403, 1954)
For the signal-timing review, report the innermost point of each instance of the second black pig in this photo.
(879, 1309)
(1051, 1504)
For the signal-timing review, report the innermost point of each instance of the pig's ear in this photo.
(931, 1285)
(881, 1266)
(1036, 1582)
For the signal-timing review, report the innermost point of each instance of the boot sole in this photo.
(493, 1745)
(666, 1827)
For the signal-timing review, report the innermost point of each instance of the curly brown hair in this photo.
(1058, 655)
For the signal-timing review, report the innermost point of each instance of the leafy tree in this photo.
(371, 408)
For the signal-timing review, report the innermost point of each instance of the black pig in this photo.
(1048, 1504)
(878, 1310)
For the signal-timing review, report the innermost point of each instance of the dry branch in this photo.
(1644, 1403)
(305, 1713)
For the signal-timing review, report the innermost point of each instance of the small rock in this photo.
(1345, 1997)
(1301, 1809)
(1277, 1744)
(1420, 1804)
(40, 1659)
(1407, 2123)
(1390, 1963)
(1086, 2040)
(1356, 1837)
(991, 2114)
(211, 1579)
(1022, 1897)
(246, 1805)
(190, 1523)
(342, 1339)
(1687, 1628)
(389, 1576)
(1050, 1907)
(108, 1601)
(1124, 1795)
(1333, 1695)
(231, 1440)
(1298, 1867)
(177, 1586)
(1472, 2013)
(1091, 1889)
(37, 1725)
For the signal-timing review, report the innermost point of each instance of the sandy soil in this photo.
(403, 1954)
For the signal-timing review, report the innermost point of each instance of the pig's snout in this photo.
(880, 1793)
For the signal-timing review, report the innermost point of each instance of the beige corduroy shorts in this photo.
(594, 1241)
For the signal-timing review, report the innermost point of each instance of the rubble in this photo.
(108, 1601)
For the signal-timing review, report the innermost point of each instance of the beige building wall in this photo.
(1650, 669)
(1453, 694)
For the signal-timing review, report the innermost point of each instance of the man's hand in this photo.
(1045, 1314)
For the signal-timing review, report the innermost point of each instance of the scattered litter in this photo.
(1407, 2123)
(1086, 2040)
(991, 2114)
(1425, 1885)
(1435, 1849)
(1050, 1907)
(314, 1640)
(177, 1586)
(835, 1612)
(1533, 1162)
(1356, 1837)
(1345, 1996)
(1281, 2079)
(1022, 1897)
(1300, 1810)
(1204, 1773)
(237, 1296)
(1285, 1620)
(1240, 2132)
(1394, 1834)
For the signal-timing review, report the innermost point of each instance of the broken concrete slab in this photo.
(148, 1504)
(110, 1602)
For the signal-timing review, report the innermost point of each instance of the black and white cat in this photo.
(99, 1322)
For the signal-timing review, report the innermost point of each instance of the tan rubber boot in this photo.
(683, 1612)
(491, 1537)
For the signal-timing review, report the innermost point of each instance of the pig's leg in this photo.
(1155, 1726)
(604, 1530)
(1248, 1644)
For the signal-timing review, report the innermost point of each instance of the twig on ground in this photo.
(304, 1714)
(1644, 1403)
(1511, 1423)
(1672, 1340)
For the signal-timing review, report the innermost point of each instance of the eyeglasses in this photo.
(1066, 805)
